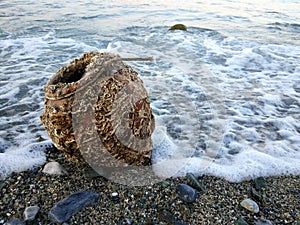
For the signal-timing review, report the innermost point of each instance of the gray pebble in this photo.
(15, 221)
(69, 206)
(250, 205)
(241, 221)
(195, 183)
(2, 185)
(30, 212)
(260, 183)
(186, 193)
(263, 222)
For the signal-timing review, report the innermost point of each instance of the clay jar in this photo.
(118, 104)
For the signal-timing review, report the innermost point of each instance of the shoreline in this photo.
(279, 200)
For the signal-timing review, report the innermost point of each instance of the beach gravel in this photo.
(278, 198)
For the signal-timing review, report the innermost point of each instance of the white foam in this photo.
(258, 139)
(18, 159)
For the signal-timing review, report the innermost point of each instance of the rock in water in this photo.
(30, 212)
(111, 92)
(54, 168)
(250, 205)
(66, 208)
(178, 27)
(186, 193)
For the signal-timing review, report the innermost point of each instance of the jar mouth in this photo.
(74, 71)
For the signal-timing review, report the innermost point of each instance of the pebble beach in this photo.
(219, 202)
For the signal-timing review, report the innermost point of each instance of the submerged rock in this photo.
(186, 193)
(69, 206)
(250, 205)
(54, 168)
(31, 212)
(178, 27)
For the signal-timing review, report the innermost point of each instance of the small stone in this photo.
(165, 183)
(115, 197)
(250, 205)
(2, 185)
(128, 221)
(15, 221)
(54, 168)
(40, 139)
(90, 173)
(194, 182)
(241, 221)
(69, 206)
(43, 179)
(180, 223)
(263, 221)
(257, 196)
(166, 216)
(186, 193)
(260, 183)
(30, 212)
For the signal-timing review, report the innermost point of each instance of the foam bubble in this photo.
(22, 158)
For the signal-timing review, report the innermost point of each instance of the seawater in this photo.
(225, 94)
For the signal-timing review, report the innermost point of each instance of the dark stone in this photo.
(195, 183)
(257, 196)
(262, 221)
(241, 221)
(90, 173)
(178, 27)
(186, 193)
(180, 223)
(15, 221)
(260, 183)
(2, 185)
(166, 216)
(69, 206)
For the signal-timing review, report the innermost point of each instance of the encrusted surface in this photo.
(110, 100)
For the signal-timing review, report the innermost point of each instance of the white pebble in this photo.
(114, 194)
(250, 205)
(54, 168)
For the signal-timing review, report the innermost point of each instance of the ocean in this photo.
(225, 94)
